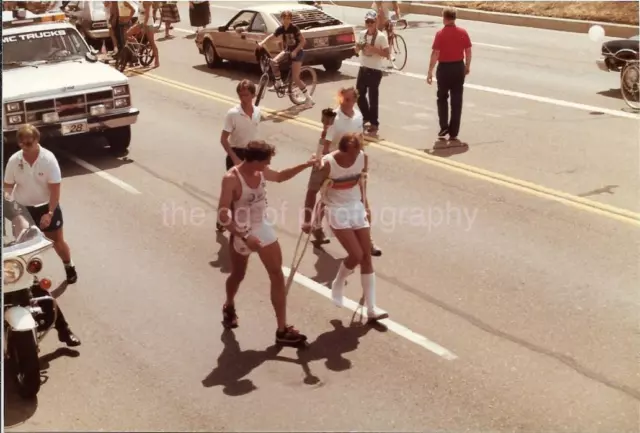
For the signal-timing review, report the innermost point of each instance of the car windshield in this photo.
(18, 226)
(45, 46)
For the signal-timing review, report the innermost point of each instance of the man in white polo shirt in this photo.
(240, 126)
(348, 120)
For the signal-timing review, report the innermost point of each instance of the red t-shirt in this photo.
(451, 41)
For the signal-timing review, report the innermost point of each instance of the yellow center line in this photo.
(592, 206)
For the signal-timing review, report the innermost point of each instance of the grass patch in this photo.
(618, 12)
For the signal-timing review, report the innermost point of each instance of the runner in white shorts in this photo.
(242, 211)
(346, 213)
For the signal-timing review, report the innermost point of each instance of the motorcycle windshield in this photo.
(18, 226)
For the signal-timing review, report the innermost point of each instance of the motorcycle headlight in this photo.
(12, 271)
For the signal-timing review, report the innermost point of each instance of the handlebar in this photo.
(395, 23)
(617, 55)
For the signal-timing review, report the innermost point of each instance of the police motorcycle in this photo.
(29, 311)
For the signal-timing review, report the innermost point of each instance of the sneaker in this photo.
(69, 338)
(229, 317)
(72, 275)
(290, 336)
(443, 133)
(375, 251)
(372, 130)
(309, 102)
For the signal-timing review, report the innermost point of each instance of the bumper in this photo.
(98, 34)
(95, 124)
(602, 65)
(318, 57)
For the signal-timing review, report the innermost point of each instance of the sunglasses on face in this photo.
(370, 21)
(27, 142)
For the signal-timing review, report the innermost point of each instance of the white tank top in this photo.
(345, 191)
(251, 208)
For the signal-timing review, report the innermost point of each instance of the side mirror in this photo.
(91, 56)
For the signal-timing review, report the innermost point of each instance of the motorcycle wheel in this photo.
(23, 352)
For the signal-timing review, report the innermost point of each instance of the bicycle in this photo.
(136, 50)
(629, 77)
(397, 46)
(289, 87)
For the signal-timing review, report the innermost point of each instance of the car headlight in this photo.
(12, 271)
(120, 90)
(122, 102)
(15, 119)
(13, 107)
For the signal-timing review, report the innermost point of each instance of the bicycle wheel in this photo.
(630, 86)
(145, 55)
(310, 79)
(398, 52)
(262, 88)
(123, 58)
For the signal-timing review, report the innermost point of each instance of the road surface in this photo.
(513, 309)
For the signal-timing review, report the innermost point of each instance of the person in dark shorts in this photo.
(13, 212)
(33, 177)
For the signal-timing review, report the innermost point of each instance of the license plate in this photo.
(75, 127)
(321, 42)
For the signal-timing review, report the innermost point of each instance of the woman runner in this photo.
(346, 213)
(242, 211)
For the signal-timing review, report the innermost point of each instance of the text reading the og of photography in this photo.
(387, 218)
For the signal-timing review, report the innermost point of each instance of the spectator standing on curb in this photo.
(240, 126)
(372, 48)
(199, 14)
(170, 15)
(452, 52)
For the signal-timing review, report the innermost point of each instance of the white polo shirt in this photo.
(32, 181)
(241, 128)
(344, 124)
(373, 61)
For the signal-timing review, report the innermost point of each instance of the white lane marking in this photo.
(394, 327)
(500, 47)
(535, 98)
(106, 176)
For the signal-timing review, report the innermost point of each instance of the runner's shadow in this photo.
(284, 115)
(234, 364)
(331, 347)
(447, 148)
(223, 262)
(326, 266)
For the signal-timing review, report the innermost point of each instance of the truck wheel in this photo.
(119, 139)
(332, 65)
(211, 55)
(23, 352)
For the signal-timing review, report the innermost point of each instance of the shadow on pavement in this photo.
(234, 365)
(611, 93)
(283, 115)
(326, 266)
(18, 410)
(223, 262)
(447, 148)
(237, 72)
(331, 347)
(94, 151)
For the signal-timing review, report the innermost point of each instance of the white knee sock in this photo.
(337, 287)
(369, 291)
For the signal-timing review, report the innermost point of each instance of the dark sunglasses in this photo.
(370, 21)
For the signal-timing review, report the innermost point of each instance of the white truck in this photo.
(53, 80)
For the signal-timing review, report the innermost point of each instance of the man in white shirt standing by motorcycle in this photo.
(33, 177)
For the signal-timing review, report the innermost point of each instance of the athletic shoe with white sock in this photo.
(337, 286)
(369, 290)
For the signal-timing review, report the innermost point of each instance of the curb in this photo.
(559, 24)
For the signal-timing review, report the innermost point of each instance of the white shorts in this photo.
(352, 217)
(264, 232)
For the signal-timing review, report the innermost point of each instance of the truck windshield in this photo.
(46, 46)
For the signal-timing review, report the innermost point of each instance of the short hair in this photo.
(286, 13)
(259, 151)
(449, 14)
(348, 139)
(344, 90)
(28, 130)
(246, 85)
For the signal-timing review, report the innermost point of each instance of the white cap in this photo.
(371, 15)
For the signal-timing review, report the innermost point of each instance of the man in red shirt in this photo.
(452, 52)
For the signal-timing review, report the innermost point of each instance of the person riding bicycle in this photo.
(144, 27)
(292, 42)
(384, 16)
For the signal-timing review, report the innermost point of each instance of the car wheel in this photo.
(211, 55)
(332, 66)
(119, 140)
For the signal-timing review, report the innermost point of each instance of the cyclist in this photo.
(384, 17)
(145, 26)
(292, 42)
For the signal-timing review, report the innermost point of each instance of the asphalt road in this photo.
(513, 311)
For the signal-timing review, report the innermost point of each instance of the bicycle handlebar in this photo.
(617, 54)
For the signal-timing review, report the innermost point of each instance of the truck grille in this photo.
(68, 107)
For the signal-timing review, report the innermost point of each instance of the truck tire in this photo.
(23, 352)
(119, 139)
